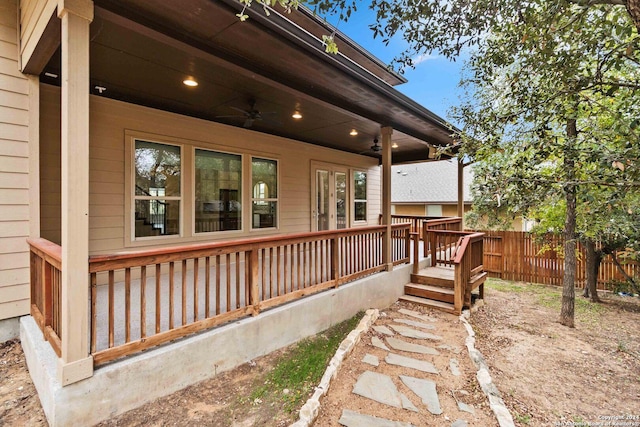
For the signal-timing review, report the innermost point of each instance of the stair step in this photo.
(478, 279)
(433, 281)
(437, 293)
(439, 305)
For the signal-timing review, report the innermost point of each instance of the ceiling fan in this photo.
(250, 115)
(375, 148)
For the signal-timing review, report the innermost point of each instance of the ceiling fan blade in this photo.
(248, 123)
(233, 116)
(240, 110)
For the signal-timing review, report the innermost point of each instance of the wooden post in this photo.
(386, 196)
(75, 363)
(416, 252)
(461, 192)
(335, 261)
(253, 283)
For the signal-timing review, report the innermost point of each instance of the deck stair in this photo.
(434, 287)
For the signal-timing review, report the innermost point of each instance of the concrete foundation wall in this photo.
(130, 383)
(9, 329)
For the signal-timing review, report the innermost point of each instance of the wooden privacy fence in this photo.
(146, 298)
(516, 255)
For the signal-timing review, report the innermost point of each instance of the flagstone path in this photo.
(400, 375)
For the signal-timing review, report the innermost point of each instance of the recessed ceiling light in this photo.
(353, 132)
(190, 82)
(394, 145)
(296, 115)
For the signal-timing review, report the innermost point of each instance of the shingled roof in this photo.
(429, 182)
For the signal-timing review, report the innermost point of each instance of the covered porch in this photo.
(166, 210)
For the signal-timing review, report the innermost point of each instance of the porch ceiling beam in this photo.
(38, 47)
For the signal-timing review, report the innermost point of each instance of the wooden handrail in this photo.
(96, 261)
(462, 246)
(47, 250)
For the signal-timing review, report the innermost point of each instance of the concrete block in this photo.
(9, 329)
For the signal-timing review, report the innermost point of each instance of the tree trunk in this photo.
(592, 267)
(569, 279)
(633, 7)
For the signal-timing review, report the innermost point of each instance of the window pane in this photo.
(360, 185)
(157, 169)
(264, 214)
(218, 191)
(157, 217)
(265, 173)
(360, 211)
(341, 200)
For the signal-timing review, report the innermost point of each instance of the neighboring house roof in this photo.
(429, 182)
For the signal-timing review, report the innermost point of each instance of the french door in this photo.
(330, 198)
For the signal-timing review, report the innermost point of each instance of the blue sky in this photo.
(434, 81)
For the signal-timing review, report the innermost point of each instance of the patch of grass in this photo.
(505, 286)
(297, 372)
(523, 418)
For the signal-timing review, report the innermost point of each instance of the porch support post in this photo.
(461, 191)
(76, 363)
(386, 132)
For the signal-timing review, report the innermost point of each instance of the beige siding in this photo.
(34, 17)
(417, 210)
(14, 170)
(112, 120)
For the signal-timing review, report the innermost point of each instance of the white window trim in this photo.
(271, 199)
(131, 196)
(354, 200)
(193, 194)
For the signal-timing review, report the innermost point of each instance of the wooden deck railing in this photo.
(415, 220)
(467, 263)
(145, 298)
(45, 272)
(434, 235)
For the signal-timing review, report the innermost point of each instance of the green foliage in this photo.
(302, 368)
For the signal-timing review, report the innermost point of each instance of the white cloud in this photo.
(424, 57)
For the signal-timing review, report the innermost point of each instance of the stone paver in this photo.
(377, 342)
(454, 366)
(426, 390)
(459, 423)
(382, 330)
(414, 323)
(405, 331)
(371, 359)
(356, 419)
(380, 388)
(410, 362)
(401, 345)
(466, 408)
(417, 315)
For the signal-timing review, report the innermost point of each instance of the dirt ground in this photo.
(548, 374)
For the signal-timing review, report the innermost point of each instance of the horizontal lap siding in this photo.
(109, 122)
(14, 171)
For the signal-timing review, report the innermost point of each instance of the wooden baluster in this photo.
(158, 307)
(228, 260)
(171, 294)
(184, 292)
(127, 304)
(237, 297)
(278, 275)
(195, 289)
(253, 281)
(299, 264)
(207, 287)
(271, 273)
(218, 285)
(94, 314)
(143, 301)
(111, 307)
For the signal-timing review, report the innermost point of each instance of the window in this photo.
(434, 210)
(264, 182)
(218, 195)
(360, 196)
(157, 193)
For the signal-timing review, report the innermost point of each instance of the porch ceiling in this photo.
(142, 50)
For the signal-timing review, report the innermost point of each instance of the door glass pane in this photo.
(341, 200)
(322, 200)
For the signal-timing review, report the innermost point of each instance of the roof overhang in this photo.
(141, 51)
